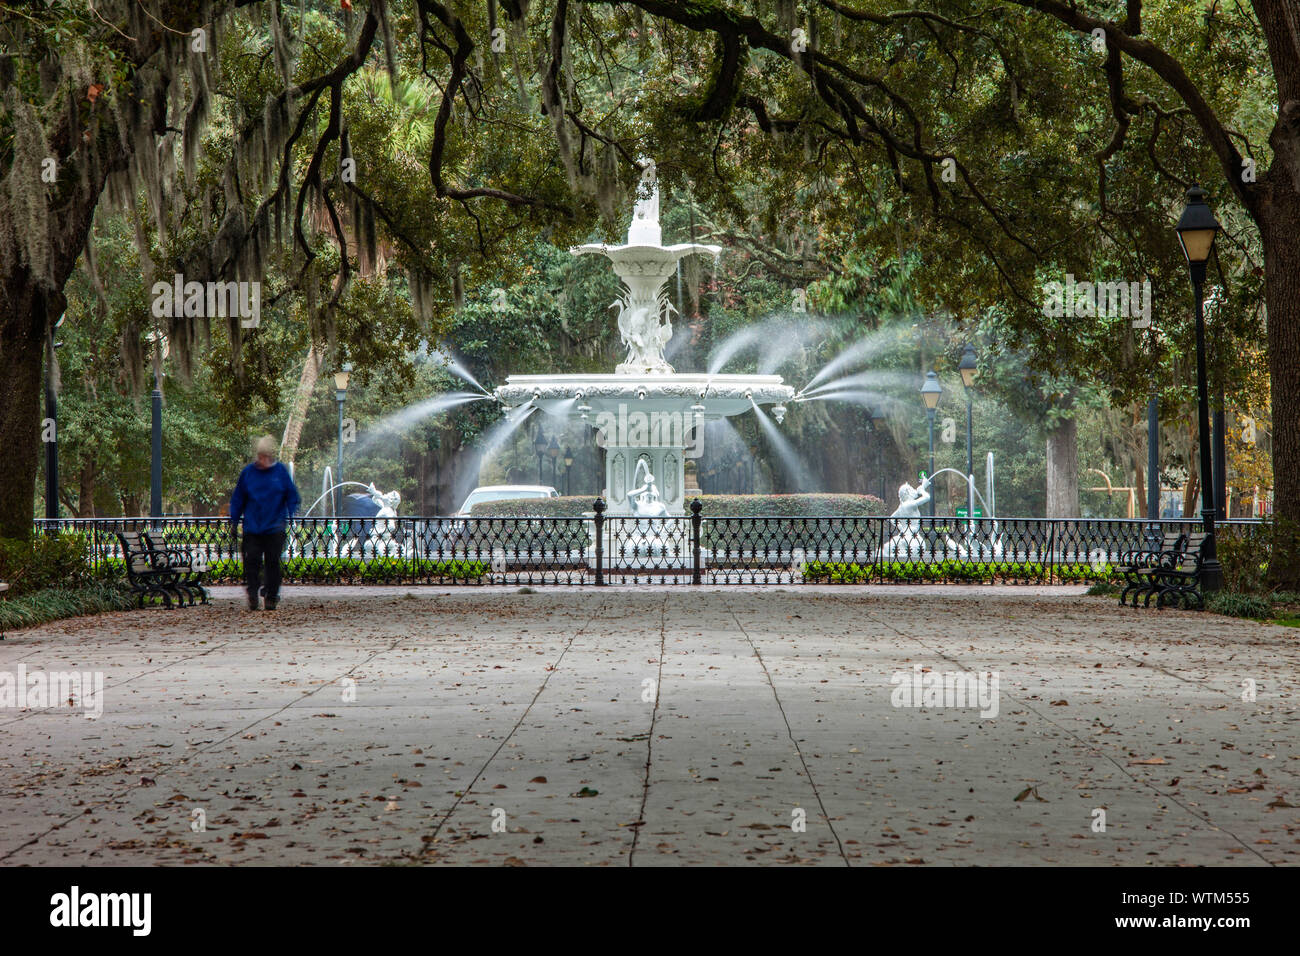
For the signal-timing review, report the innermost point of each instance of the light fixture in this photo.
(341, 378)
(968, 367)
(568, 457)
(931, 391)
(779, 413)
(1197, 228)
(553, 449)
(540, 444)
(640, 393)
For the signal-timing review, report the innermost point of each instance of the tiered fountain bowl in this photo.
(645, 410)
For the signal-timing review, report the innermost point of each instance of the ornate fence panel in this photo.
(677, 550)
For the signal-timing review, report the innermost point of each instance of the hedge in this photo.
(376, 570)
(841, 572)
(44, 561)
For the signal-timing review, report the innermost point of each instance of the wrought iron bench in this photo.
(159, 571)
(1178, 575)
(1139, 567)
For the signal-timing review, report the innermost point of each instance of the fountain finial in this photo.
(644, 230)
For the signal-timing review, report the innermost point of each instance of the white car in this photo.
(504, 493)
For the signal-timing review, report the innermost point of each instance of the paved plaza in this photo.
(656, 726)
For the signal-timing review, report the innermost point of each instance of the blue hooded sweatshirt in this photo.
(265, 498)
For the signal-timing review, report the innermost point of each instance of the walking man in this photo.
(266, 498)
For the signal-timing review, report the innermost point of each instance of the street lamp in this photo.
(553, 449)
(539, 446)
(1197, 228)
(930, 393)
(52, 443)
(160, 349)
(341, 378)
(877, 427)
(568, 466)
(969, 370)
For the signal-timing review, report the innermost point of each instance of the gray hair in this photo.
(266, 445)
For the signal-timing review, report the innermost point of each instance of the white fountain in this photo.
(650, 418)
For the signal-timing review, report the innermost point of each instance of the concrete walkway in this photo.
(653, 726)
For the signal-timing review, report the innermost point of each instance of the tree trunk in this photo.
(1190, 492)
(1063, 469)
(1281, 232)
(1140, 492)
(25, 313)
(86, 489)
(301, 402)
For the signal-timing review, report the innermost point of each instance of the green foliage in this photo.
(51, 604)
(356, 571)
(949, 571)
(1234, 604)
(1257, 559)
(43, 562)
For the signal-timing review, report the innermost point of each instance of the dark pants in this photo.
(258, 548)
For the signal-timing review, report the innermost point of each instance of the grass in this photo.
(52, 604)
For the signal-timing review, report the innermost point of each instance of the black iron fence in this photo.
(694, 549)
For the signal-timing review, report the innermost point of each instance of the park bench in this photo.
(1178, 576)
(1169, 573)
(158, 571)
(1138, 567)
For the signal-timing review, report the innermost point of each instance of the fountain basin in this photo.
(651, 418)
(721, 395)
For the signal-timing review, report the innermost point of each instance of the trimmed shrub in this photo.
(373, 571)
(44, 561)
(951, 571)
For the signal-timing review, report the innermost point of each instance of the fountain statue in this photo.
(650, 417)
(908, 543)
(646, 497)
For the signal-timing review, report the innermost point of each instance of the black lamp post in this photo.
(969, 370)
(51, 446)
(539, 446)
(341, 378)
(930, 393)
(568, 466)
(155, 444)
(553, 450)
(877, 425)
(1197, 228)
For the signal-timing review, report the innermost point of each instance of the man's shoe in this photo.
(270, 603)
(252, 601)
